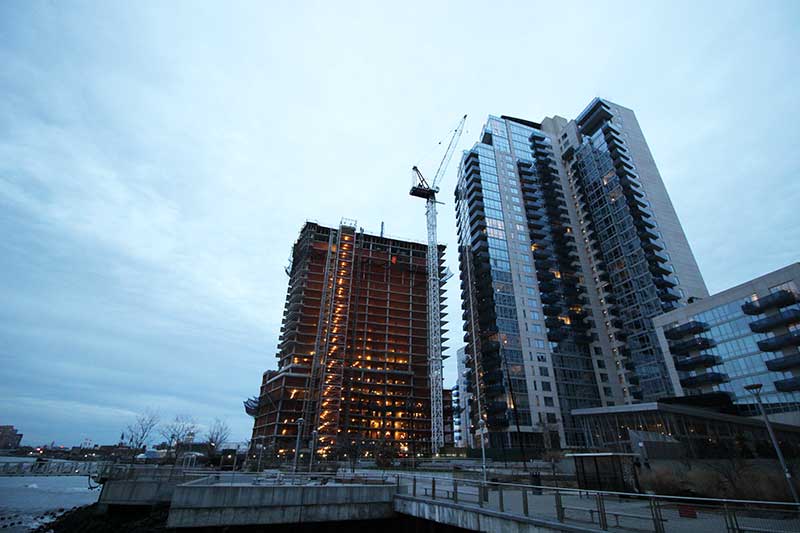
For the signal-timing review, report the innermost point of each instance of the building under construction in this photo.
(353, 375)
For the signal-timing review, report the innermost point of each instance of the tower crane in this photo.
(423, 189)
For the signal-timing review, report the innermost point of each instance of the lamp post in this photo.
(755, 389)
(260, 445)
(482, 426)
(297, 443)
(313, 449)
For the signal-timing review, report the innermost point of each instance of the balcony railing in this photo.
(782, 364)
(692, 345)
(708, 378)
(689, 328)
(780, 342)
(698, 361)
(788, 385)
(777, 299)
(782, 318)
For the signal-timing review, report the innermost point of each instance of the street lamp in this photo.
(755, 389)
(260, 445)
(297, 443)
(313, 449)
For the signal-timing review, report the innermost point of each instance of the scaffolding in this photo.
(338, 286)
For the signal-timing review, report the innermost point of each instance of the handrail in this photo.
(718, 501)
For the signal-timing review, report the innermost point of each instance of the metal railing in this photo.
(50, 468)
(176, 473)
(610, 511)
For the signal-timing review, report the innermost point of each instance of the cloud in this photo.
(158, 160)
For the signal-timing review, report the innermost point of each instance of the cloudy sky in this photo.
(157, 160)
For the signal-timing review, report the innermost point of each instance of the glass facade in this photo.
(543, 350)
(563, 267)
(742, 361)
(746, 335)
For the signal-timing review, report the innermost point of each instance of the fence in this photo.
(611, 511)
(49, 468)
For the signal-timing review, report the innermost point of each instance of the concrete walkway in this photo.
(621, 514)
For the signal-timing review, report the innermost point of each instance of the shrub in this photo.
(662, 480)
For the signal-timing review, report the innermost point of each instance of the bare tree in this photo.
(217, 434)
(141, 430)
(176, 431)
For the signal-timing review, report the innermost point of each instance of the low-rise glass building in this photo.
(745, 335)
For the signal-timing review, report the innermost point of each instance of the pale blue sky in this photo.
(157, 160)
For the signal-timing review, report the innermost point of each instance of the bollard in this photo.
(559, 507)
(414, 492)
(500, 498)
(480, 494)
(433, 488)
(525, 501)
(658, 525)
(455, 491)
(601, 512)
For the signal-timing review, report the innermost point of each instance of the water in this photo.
(28, 502)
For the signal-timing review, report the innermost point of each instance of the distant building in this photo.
(353, 357)
(744, 335)
(9, 438)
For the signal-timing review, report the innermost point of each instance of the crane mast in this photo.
(422, 189)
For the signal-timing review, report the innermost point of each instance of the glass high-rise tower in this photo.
(568, 246)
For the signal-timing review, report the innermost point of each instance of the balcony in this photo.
(701, 380)
(493, 391)
(495, 376)
(692, 345)
(552, 322)
(782, 318)
(496, 407)
(782, 364)
(698, 361)
(655, 257)
(669, 295)
(497, 422)
(593, 117)
(776, 344)
(661, 269)
(490, 363)
(490, 347)
(665, 282)
(775, 300)
(549, 297)
(788, 385)
(689, 328)
(551, 310)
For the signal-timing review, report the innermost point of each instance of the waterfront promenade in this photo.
(270, 497)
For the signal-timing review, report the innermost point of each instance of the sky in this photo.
(157, 160)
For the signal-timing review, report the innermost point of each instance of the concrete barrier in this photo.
(209, 504)
(136, 492)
